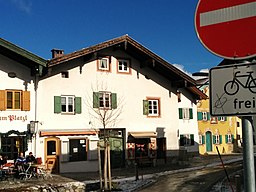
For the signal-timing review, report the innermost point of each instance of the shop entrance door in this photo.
(52, 152)
(12, 146)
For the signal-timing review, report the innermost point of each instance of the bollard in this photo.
(136, 172)
(238, 183)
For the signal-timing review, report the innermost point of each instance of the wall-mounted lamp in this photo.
(33, 126)
(12, 74)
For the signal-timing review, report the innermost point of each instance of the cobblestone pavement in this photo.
(78, 178)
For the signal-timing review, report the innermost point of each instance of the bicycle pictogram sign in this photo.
(233, 86)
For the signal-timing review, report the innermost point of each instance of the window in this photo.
(123, 66)
(201, 139)
(229, 138)
(67, 104)
(217, 139)
(214, 120)
(64, 74)
(204, 116)
(14, 100)
(187, 140)
(222, 118)
(103, 64)
(151, 107)
(185, 113)
(104, 100)
(78, 149)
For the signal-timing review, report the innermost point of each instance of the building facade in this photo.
(116, 90)
(217, 133)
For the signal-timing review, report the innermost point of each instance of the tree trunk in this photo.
(105, 166)
(99, 159)
(109, 167)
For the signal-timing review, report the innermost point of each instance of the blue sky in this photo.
(166, 27)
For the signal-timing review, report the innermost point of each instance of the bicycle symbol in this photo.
(232, 86)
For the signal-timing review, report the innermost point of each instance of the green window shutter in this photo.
(192, 139)
(220, 139)
(208, 116)
(113, 101)
(225, 118)
(199, 116)
(233, 139)
(214, 139)
(190, 113)
(203, 139)
(96, 102)
(180, 113)
(181, 140)
(145, 107)
(57, 104)
(226, 138)
(219, 118)
(78, 106)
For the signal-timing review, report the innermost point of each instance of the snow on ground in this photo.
(129, 184)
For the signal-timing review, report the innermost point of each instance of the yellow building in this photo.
(217, 133)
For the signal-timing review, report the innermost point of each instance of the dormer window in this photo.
(103, 64)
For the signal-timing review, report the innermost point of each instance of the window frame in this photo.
(217, 139)
(204, 116)
(99, 66)
(14, 100)
(149, 107)
(105, 100)
(68, 97)
(123, 71)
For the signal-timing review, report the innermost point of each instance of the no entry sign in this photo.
(227, 28)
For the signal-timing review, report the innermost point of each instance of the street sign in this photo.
(227, 27)
(233, 90)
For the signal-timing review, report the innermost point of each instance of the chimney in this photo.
(57, 53)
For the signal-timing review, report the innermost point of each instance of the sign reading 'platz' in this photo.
(233, 90)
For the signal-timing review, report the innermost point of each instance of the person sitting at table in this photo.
(2, 161)
(20, 161)
(31, 158)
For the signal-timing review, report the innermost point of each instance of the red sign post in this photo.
(227, 28)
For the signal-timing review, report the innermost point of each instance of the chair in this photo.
(24, 171)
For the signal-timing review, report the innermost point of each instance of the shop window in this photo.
(187, 140)
(78, 149)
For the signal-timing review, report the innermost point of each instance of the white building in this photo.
(146, 105)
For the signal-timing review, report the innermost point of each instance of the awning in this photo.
(148, 134)
(68, 132)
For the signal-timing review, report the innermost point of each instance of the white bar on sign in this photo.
(228, 14)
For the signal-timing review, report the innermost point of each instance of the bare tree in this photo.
(104, 110)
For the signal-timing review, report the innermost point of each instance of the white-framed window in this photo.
(104, 100)
(229, 138)
(67, 104)
(103, 64)
(151, 107)
(185, 113)
(204, 116)
(123, 65)
(221, 118)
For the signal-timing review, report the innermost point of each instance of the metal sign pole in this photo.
(248, 154)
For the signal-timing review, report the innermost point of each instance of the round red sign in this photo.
(227, 28)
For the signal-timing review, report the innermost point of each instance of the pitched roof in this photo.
(146, 57)
(20, 55)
